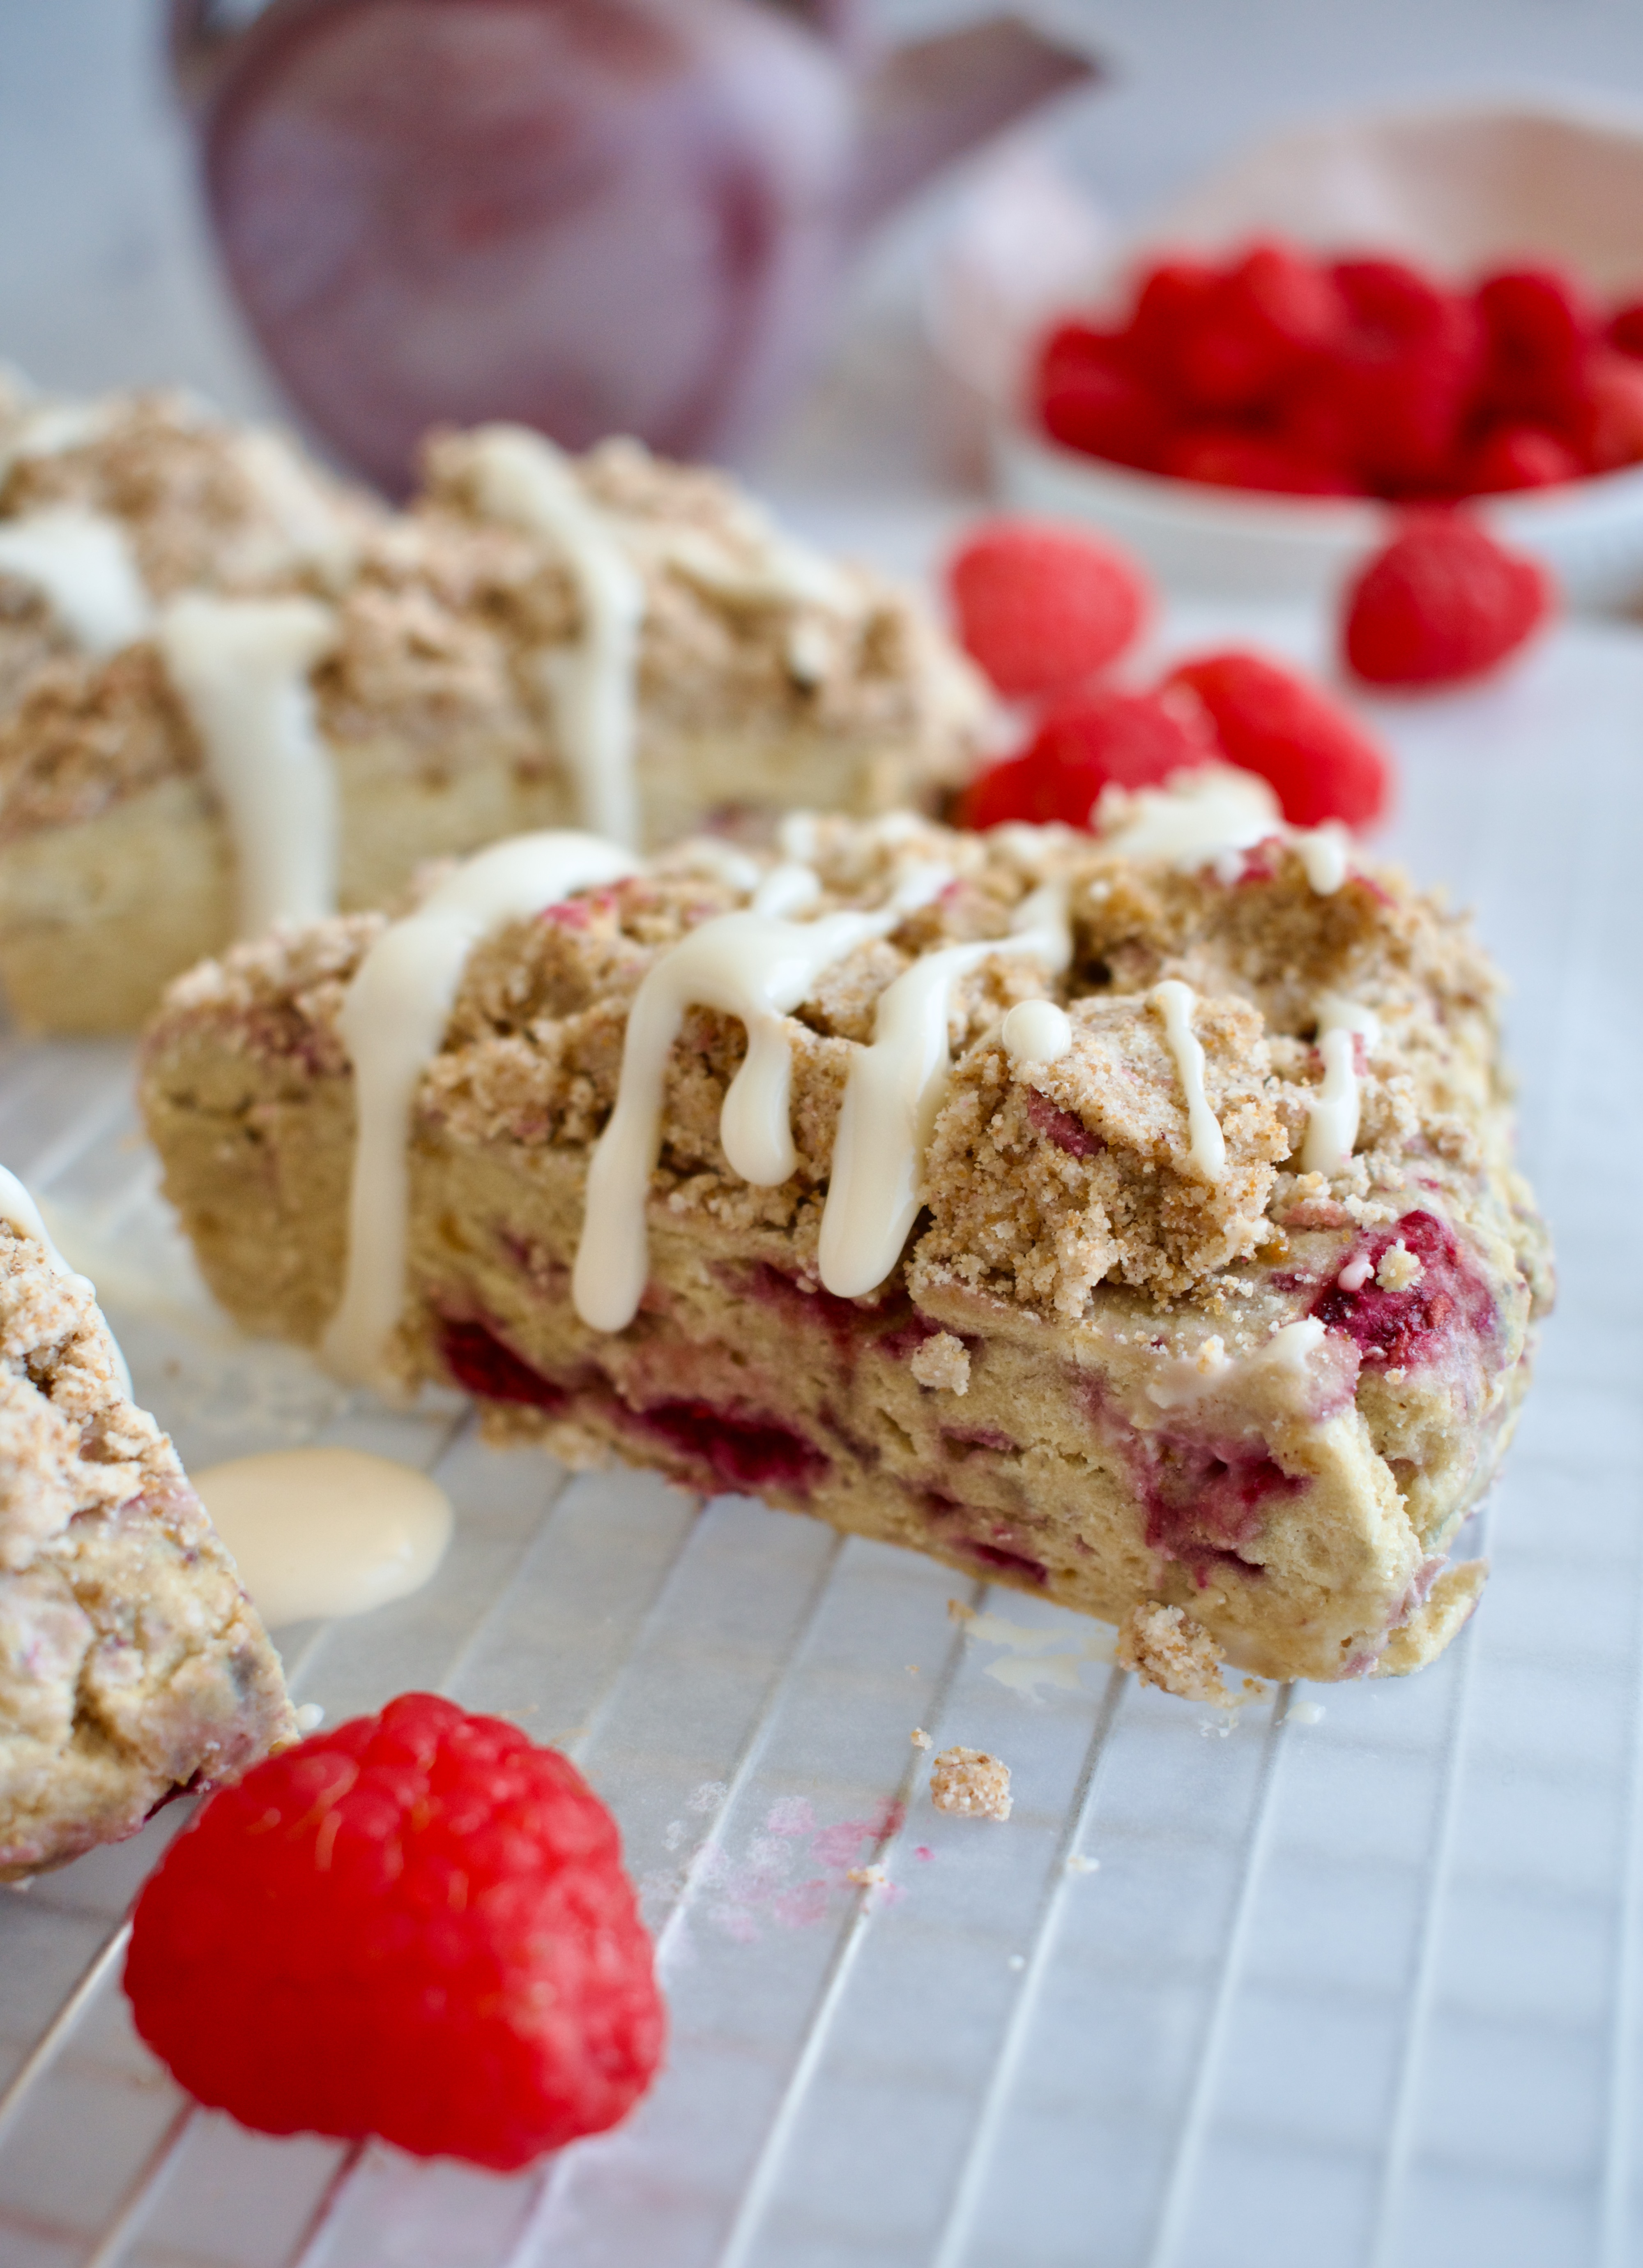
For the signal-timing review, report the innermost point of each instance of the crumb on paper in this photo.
(1306, 1713)
(1165, 1648)
(921, 1738)
(1077, 1864)
(1399, 1267)
(970, 1784)
(943, 1363)
(310, 1717)
(958, 1612)
(867, 1878)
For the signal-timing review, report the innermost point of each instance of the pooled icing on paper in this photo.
(521, 478)
(392, 1021)
(322, 1532)
(1174, 1002)
(240, 668)
(1333, 1111)
(82, 563)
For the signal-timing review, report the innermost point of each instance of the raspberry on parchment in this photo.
(1443, 602)
(416, 1927)
(1042, 607)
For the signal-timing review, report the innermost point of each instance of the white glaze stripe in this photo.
(1036, 1032)
(757, 966)
(1211, 817)
(240, 668)
(83, 565)
(1333, 1112)
(392, 1023)
(894, 1093)
(1175, 1001)
(522, 478)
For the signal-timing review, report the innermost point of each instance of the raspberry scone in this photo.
(131, 1662)
(1131, 1220)
(230, 693)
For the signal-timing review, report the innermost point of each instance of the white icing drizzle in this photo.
(1175, 1001)
(54, 427)
(83, 565)
(322, 1532)
(240, 667)
(1178, 1379)
(705, 854)
(315, 534)
(392, 1020)
(1211, 816)
(757, 966)
(520, 477)
(18, 1211)
(895, 1091)
(1332, 1112)
(1036, 1032)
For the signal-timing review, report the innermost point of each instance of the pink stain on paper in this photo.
(795, 1870)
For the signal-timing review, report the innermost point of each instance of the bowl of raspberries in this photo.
(1251, 412)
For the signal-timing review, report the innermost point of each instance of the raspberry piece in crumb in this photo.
(1042, 607)
(1319, 763)
(1443, 602)
(1093, 740)
(415, 1925)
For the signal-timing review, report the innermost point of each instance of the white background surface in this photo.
(1359, 1992)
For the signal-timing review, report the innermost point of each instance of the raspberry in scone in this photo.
(1129, 1219)
(131, 1662)
(217, 667)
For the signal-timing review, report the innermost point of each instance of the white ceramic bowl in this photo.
(1229, 543)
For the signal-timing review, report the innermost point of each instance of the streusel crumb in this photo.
(1399, 1269)
(1165, 1648)
(943, 1364)
(970, 1784)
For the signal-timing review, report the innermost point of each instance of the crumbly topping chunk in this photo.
(1043, 1182)
(970, 1785)
(86, 734)
(942, 1364)
(130, 1660)
(1165, 1648)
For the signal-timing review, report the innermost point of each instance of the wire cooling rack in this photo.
(1354, 1985)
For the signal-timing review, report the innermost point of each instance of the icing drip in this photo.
(522, 478)
(19, 1212)
(1036, 1032)
(54, 427)
(705, 854)
(1210, 817)
(82, 563)
(1333, 1120)
(314, 534)
(895, 1091)
(1174, 1000)
(758, 966)
(240, 667)
(392, 1020)
(326, 1532)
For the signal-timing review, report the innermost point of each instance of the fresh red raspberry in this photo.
(1388, 400)
(1319, 760)
(1540, 328)
(1174, 298)
(1041, 607)
(416, 1927)
(1609, 424)
(1089, 398)
(1519, 457)
(1097, 739)
(1626, 328)
(1227, 457)
(1247, 334)
(1443, 601)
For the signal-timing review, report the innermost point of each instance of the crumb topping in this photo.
(969, 1783)
(1166, 1647)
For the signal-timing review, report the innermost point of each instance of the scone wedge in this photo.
(1131, 1220)
(132, 1665)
